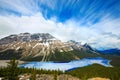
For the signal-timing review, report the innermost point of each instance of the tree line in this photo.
(12, 71)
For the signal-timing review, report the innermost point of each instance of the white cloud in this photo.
(25, 7)
(64, 31)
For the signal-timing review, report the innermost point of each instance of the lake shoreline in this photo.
(4, 63)
(64, 66)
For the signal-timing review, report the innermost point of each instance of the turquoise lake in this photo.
(64, 66)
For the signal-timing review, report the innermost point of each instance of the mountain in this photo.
(43, 47)
(26, 37)
(113, 51)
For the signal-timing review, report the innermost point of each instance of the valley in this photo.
(43, 51)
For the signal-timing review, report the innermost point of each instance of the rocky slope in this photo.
(58, 77)
(48, 77)
(42, 47)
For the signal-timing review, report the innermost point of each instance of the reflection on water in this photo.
(67, 65)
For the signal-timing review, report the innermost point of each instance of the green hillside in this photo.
(96, 70)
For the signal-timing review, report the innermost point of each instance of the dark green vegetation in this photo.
(70, 55)
(115, 60)
(12, 71)
(95, 70)
(4, 71)
(12, 68)
(10, 54)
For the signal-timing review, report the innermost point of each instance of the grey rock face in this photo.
(39, 46)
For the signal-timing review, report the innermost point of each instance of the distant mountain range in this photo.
(114, 51)
(45, 47)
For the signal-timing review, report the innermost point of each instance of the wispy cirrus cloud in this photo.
(96, 22)
(64, 31)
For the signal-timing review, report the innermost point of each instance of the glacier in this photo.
(65, 66)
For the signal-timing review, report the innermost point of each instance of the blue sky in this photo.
(96, 22)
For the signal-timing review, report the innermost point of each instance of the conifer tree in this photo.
(12, 70)
(55, 76)
(33, 75)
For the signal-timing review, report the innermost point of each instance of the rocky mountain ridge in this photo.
(40, 46)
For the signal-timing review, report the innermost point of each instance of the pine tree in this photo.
(55, 76)
(33, 75)
(12, 70)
